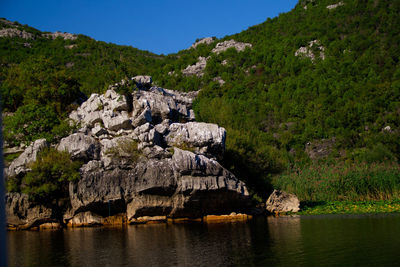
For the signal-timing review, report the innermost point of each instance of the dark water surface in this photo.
(368, 240)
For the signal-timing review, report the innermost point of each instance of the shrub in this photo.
(125, 149)
(50, 175)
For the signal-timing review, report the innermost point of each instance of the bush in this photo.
(50, 175)
(125, 149)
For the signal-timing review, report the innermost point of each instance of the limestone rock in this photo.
(64, 35)
(85, 219)
(80, 146)
(223, 46)
(307, 51)
(197, 68)
(206, 138)
(137, 163)
(20, 164)
(21, 213)
(117, 121)
(335, 5)
(207, 41)
(280, 202)
(219, 80)
(14, 32)
(184, 185)
(143, 81)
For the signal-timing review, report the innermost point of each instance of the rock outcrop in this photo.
(223, 46)
(207, 41)
(309, 51)
(144, 156)
(197, 68)
(20, 165)
(64, 35)
(335, 5)
(14, 32)
(282, 202)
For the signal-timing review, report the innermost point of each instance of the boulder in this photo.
(143, 81)
(20, 164)
(206, 138)
(117, 121)
(281, 202)
(142, 118)
(80, 146)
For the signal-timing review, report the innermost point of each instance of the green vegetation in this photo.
(49, 177)
(350, 207)
(272, 104)
(345, 182)
(126, 149)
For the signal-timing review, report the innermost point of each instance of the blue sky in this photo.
(160, 26)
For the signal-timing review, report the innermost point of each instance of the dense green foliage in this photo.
(272, 103)
(49, 177)
(351, 182)
(48, 78)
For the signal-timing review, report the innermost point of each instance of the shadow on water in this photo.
(298, 240)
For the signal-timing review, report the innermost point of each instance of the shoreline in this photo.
(121, 220)
(307, 209)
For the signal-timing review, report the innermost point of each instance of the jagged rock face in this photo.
(20, 165)
(280, 202)
(184, 185)
(20, 212)
(136, 163)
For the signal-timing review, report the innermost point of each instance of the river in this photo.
(334, 240)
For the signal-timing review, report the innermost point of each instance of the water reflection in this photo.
(320, 240)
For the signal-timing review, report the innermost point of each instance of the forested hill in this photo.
(321, 82)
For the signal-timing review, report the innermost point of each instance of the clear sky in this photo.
(160, 26)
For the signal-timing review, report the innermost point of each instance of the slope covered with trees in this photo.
(320, 83)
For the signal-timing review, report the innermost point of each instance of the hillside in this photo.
(320, 83)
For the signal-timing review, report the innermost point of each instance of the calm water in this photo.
(369, 240)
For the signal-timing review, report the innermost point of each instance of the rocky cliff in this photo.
(144, 156)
